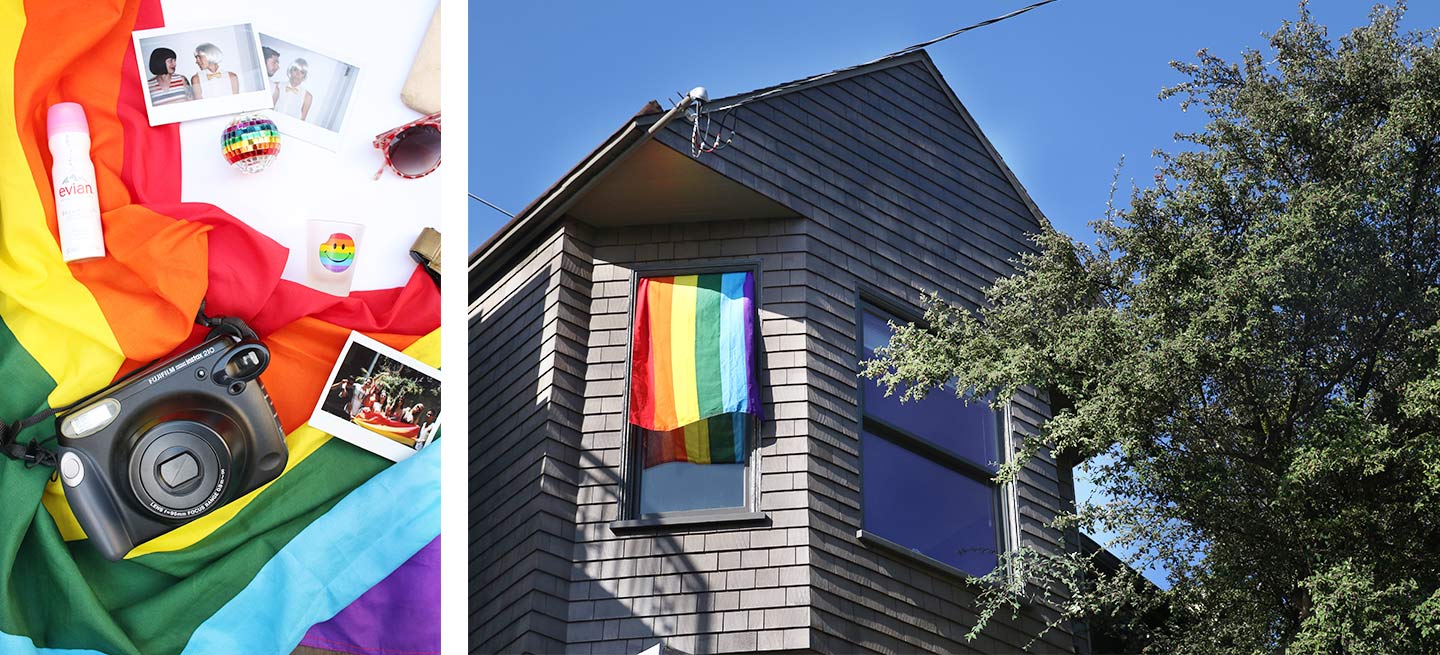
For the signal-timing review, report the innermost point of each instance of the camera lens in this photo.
(179, 469)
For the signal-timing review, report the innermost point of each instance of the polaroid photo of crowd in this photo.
(309, 90)
(380, 399)
(191, 73)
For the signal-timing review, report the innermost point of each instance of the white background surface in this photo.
(307, 181)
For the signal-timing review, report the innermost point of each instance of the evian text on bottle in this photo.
(77, 206)
(72, 187)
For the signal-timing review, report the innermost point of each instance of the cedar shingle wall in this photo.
(900, 197)
(703, 590)
(527, 338)
(903, 199)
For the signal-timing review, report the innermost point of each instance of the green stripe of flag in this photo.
(46, 598)
(710, 391)
(172, 593)
(158, 599)
(722, 439)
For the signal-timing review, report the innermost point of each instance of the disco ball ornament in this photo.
(251, 143)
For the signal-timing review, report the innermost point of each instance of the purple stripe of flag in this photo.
(752, 317)
(399, 615)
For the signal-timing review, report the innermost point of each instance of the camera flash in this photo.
(92, 419)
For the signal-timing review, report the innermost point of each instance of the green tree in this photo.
(1255, 345)
(397, 387)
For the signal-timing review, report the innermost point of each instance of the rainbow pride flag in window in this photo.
(693, 351)
(715, 440)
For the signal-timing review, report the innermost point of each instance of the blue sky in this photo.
(1063, 91)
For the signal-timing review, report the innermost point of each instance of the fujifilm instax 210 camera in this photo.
(170, 443)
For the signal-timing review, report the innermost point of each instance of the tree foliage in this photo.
(1255, 343)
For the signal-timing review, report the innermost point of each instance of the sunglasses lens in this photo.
(416, 151)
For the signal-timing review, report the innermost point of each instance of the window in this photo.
(701, 466)
(694, 404)
(927, 468)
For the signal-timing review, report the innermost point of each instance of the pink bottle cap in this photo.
(67, 117)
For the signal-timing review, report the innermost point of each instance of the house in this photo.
(841, 521)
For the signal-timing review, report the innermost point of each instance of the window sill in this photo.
(876, 541)
(736, 519)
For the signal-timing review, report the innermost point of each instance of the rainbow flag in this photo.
(255, 575)
(400, 431)
(716, 440)
(693, 351)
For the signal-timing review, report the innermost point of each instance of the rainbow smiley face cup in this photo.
(332, 249)
(337, 254)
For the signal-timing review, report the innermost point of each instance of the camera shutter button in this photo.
(71, 470)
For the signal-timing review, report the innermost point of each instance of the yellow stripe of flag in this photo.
(53, 316)
(682, 349)
(697, 442)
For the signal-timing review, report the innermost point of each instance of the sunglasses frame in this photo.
(385, 140)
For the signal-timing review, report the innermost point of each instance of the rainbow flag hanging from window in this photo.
(693, 352)
(715, 440)
(255, 575)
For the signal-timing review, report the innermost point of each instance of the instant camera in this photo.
(171, 442)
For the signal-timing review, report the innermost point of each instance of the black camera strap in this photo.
(231, 325)
(36, 452)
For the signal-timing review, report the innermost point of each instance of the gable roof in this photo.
(488, 260)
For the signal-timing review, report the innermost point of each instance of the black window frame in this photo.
(1002, 494)
(632, 453)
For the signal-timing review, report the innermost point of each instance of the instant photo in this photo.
(310, 90)
(190, 73)
(380, 399)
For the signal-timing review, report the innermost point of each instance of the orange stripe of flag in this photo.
(660, 340)
(156, 267)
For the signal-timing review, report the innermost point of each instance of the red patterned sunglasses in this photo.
(413, 149)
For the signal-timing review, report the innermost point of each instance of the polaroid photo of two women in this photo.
(190, 73)
(380, 399)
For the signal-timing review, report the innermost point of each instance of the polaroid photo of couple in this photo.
(191, 73)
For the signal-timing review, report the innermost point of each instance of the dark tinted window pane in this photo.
(970, 431)
(919, 504)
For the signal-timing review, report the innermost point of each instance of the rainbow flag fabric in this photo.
(693, 350)
(389, 428)
(341, 524)
(719, 439)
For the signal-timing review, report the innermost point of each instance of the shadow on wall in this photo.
(539, 582)
(648, 589)
(630, 592)
(505, 352)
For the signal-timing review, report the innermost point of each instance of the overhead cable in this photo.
(491, 205)
(897, 53)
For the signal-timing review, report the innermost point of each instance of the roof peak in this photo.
(888, 61)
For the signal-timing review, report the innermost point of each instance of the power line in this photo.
(902, 51)
(967, 28)
(491, 205)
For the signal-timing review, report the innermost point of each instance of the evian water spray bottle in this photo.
(77, 207)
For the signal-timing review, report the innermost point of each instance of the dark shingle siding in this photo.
(899, 197)
(704, 589)
(526, 363)
(902, 199)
